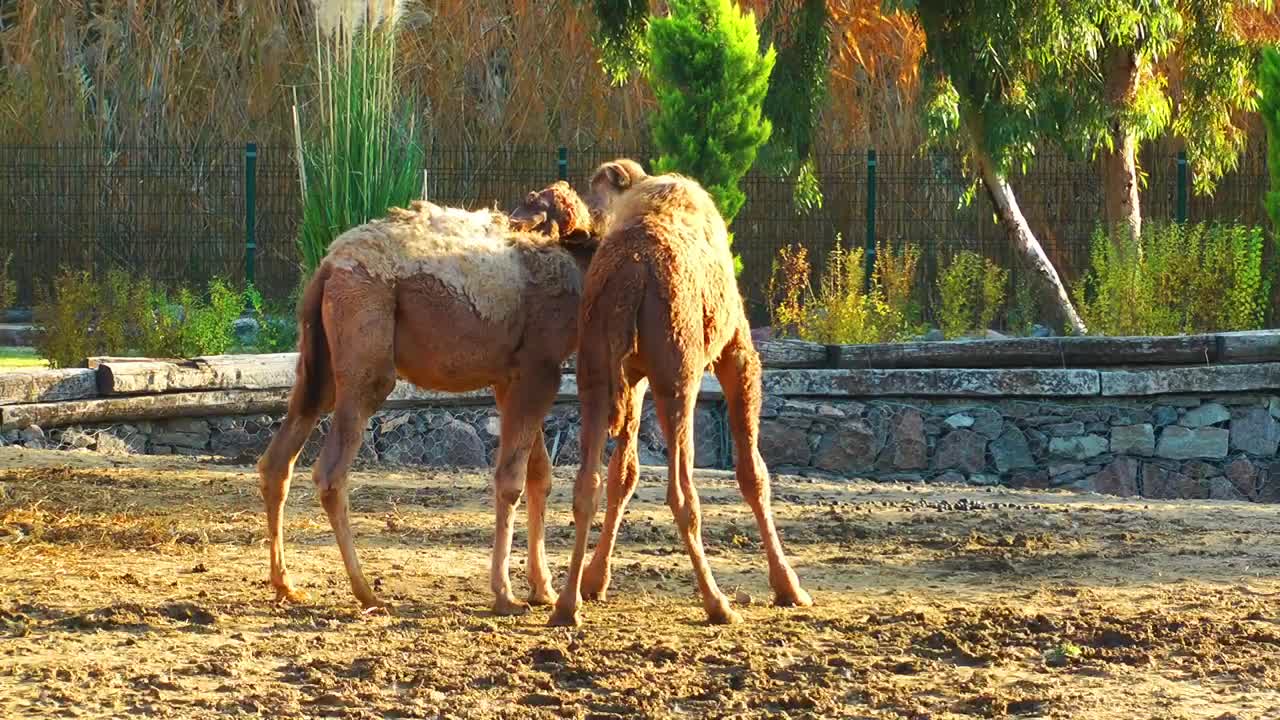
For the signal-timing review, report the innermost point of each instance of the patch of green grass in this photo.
(12, 358)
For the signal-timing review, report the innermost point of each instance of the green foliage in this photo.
(971, 289)
(620, 36)
(277, 326)
(896, 276)
(844, 310)
(807, 192)
(82, 317)
(1024, 307)
(1025, 72)
(1175, 279)
(8, 288)
(797, 94)
(1217, 87)
(361, 155)
(206, 328)
(63, 319)
(1269, 106)
(710, 81)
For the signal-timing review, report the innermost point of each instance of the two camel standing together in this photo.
(640, 283)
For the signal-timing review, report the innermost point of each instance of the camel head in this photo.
(555, 211)
(609, 182)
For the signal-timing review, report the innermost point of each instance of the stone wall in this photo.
(1175, 417)
(1219, 445)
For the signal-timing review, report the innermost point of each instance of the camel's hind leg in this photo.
(738, 370)
(539, 484)
(361, 325)
(675, 413)
(523, 405)
(593, 397)
(624, 473)
(275, 470)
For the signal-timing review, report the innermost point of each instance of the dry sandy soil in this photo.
(138, 588)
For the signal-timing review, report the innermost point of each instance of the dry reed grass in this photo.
(484, 74)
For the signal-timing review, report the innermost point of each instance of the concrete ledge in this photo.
(1206, 379)
(960, 383)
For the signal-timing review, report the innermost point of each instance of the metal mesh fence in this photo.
(178, 215)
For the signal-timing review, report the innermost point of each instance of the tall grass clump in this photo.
(357, 140)
(1175, 279)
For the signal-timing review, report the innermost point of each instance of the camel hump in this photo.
(467, 251)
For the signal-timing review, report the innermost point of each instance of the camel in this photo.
(660, 305)
(449, 300)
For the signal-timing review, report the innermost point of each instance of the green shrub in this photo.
(1175, 279)
(896, 279)
(84, 317)
(970, 291)
(8, 288)
(63, 319)
(277, 326)
(1024, 307)
(844, 310)
(207, 326)
(157, 323)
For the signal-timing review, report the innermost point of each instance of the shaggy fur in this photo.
(471, 252)
(449, 300)
(661, 305)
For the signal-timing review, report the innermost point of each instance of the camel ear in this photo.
(615, 174)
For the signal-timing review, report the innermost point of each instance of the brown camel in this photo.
(449, 300)
(660, 305)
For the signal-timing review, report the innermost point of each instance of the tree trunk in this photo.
(1119, 164)
(1053, 292)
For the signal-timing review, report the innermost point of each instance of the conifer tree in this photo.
(710, 80)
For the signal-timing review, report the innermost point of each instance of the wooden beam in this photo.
(144, 407)
(43, 385)
(117, 376)
(786, 354)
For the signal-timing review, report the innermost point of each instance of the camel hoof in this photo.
(722, 614)
(795, 597)
(544, 597)
(509, 607)
(594, 589)
(375, 606)
(564, 618)
(288, 596)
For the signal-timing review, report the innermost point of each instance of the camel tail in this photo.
(625, 293)
(313, 386)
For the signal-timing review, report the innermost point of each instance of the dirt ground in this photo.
(137, 587)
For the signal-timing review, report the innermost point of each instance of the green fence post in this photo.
(1181, 210)
(562, 162)
(871, 218)
(250, 209)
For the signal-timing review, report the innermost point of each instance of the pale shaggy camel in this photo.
(660, 305)
(449, 300)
